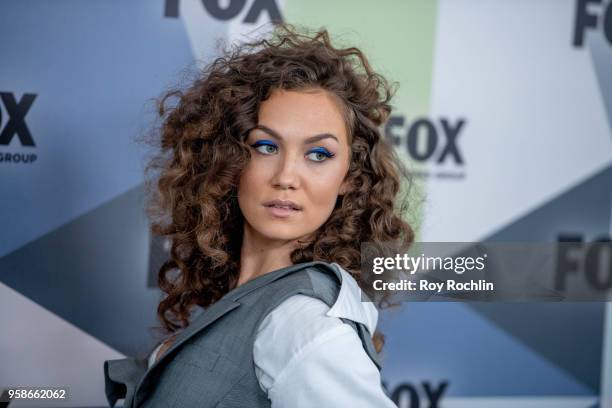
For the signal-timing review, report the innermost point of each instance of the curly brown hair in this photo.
(202, 153)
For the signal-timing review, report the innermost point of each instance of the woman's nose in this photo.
(287, 173)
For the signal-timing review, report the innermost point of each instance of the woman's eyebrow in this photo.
(310, 139)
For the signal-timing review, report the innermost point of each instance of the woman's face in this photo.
(299, 153)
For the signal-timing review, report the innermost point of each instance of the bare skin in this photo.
(165, 346)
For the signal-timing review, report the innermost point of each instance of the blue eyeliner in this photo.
(321, 150)
(266, 142)
(263, 143)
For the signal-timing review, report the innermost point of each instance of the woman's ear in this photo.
(345, 188)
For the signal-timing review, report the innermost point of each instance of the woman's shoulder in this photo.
(304, 354)
(311, 312)
(298, 325)
(298, 319)
(303, 324)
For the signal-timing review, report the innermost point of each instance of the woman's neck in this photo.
(259, 255)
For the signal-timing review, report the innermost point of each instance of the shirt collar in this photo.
(350, 305)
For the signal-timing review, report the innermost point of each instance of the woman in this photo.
(273, 171)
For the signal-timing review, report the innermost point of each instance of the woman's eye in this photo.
(320, 155)
(265, 147)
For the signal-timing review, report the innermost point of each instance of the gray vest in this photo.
(210, 363)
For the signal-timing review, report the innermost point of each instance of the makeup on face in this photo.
(317, 154)
(299, 159)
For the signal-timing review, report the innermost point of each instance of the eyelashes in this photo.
(265, 144)
(318, 154)
(322, 151)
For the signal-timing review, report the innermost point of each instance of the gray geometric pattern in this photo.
(557, 330)
(92, 273)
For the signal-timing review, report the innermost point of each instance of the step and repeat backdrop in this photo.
(503, 114)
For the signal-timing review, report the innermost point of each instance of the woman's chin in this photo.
(281, 234)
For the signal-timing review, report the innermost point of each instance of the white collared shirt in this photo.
(305, 356)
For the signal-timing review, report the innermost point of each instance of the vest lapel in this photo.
(366, 340)
(121, 377)
(205, 318)
(215, 311)
(269, 277)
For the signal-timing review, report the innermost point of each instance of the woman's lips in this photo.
(281, 212)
